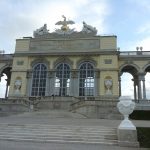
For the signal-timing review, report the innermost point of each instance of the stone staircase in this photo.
(58, 133)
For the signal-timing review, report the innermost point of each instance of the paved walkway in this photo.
(60, 118)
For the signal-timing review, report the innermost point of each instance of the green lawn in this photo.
(143, 133)
(144, 137)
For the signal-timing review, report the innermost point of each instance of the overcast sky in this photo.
(128, 19)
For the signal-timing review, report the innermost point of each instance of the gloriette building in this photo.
(78, 71)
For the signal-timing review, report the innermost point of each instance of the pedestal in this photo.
(127, 134)
(127, 137)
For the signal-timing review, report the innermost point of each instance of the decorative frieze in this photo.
(63, 59)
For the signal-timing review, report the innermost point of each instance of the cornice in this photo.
(66, 53)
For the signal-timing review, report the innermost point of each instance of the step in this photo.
(109, 137)
(61, 133)
(55, 126)
(114, 142)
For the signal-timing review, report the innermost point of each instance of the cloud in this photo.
(23, 17)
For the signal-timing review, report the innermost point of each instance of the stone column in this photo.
(96, 85)
(29, 83)
(51, 88)
(144, 89)
(74, 84)
(6, 92)
(139, 89)
(47, 91)
(135, 92)
(141, 77)
(119, 86)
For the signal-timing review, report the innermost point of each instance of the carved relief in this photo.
(40, 60)
(63, 60)
(86, 59)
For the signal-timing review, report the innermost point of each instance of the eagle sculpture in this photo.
(65, 23)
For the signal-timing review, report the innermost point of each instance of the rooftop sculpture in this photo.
(65, 30)
(41, 31)
(88, 28)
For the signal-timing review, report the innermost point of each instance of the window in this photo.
(86, 80)
(62, 80)
(39, 80)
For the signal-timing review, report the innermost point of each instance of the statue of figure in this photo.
(41, 31)
(64, 28)
(88, 28)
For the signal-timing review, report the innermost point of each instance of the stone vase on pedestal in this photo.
(17, 87)
(127, 134)
(108, 85)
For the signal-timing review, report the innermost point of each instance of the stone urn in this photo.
(126, 107)
(108, 85)
(17, 87)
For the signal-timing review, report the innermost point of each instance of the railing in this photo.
(147, 101)
(5, 57)
(23, 101)
(82, 101)
(134, 53)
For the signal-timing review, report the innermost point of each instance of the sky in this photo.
(128, 19)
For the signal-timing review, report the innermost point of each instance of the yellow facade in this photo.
(100, 51)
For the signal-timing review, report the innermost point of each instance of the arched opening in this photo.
(3, 86)
(147, 82)
(130, 85)
(127, 88)
(5, 77)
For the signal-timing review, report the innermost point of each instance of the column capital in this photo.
(97, 73)
(51, 74)
(74, 73)
(29, 74)
(141, 76)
